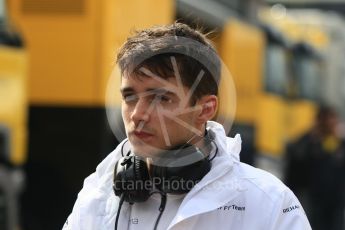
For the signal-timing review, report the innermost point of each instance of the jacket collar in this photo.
(220, 185)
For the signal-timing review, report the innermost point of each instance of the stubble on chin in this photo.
(144, 150)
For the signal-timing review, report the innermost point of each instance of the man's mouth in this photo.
(143, 135)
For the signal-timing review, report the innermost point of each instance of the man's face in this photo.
(157, 113)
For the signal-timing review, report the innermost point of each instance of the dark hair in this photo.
(325, 111)
(153, 48)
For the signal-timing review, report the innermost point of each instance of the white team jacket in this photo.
(232, 195)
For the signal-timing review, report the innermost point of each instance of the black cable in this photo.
(215, 154)
(161, 209)
(122, 147)
(122, 199)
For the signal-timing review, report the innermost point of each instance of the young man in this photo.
(178, 169)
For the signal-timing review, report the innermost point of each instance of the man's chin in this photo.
(144, 150)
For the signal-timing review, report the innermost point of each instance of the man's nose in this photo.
(140, 112)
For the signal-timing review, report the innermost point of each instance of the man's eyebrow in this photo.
(148, 91)
(127, 89)
(160, 91)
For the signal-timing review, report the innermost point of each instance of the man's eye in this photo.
(164, 98)
(129, 97)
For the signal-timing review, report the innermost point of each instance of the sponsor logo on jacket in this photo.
(291, 208)
(232, 207)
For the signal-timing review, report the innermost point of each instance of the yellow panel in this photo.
(301, 116)
(226, 98)
(298, 29)
(62, 54)
(13, 102)
(270, 125)
(19, 144)
(242, 50)
(72, 51)
(120, 18)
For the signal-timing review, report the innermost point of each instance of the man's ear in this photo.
(208, 107)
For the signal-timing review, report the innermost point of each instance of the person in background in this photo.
(316, 171)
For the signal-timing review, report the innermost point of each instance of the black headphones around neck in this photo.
(176, 172)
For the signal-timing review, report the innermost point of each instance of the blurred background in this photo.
(287, 59)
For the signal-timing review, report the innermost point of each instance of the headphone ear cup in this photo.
(132, 180)
(118, 179)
